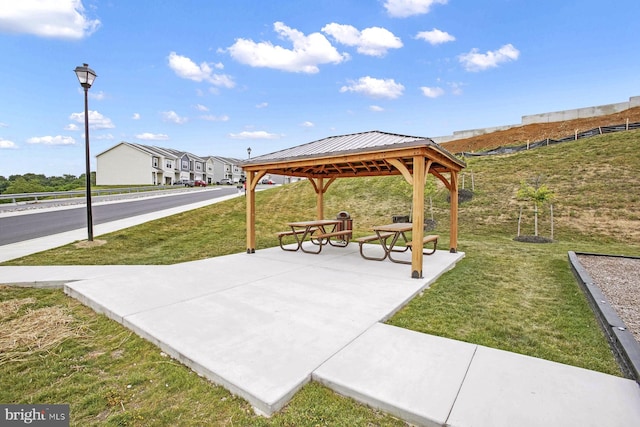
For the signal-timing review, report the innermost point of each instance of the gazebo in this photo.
(372, 153)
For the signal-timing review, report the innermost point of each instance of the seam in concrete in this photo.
(45, 284)
(464, 378)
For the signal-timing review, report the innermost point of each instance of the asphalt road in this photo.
(32, 225)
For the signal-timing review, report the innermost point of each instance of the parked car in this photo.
(184, 182)
(225, 181)
(199, 183)
(267, 182)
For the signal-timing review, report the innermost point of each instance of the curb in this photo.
(622, 342)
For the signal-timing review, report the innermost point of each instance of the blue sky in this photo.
(217, 77)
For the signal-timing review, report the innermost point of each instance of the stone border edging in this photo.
(625, 348)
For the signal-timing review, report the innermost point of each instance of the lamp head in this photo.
(85, 75)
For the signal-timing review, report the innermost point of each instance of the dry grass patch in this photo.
(35, 331)
(89, 244)
(12, 306)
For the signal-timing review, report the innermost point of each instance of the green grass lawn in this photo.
(519, 297)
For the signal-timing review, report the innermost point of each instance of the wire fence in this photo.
(546, 142)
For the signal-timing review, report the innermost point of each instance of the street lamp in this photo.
(249, 152)
(86, 76)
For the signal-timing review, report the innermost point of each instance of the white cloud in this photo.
(96, 120)
(135, 116)
(262, 105)
(404, 8)
(152, 136)
(106, 136)
(52, 140)
(212, 118)
(432, 92)
(375, 88)
(474, 61)
(307, 124)
(201, 107)
(373, 41)
(376, 108)
(456, 88)
(435, 36)
(72, 127)
(6, 144)
(98, 96)
(308, 52)
(258, 134)
(3, 125)
(64, 19)
(173, 117)
(187, 69)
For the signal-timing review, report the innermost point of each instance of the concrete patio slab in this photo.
(408, 374)
(433, 381)
(505, 389)
(259, 324)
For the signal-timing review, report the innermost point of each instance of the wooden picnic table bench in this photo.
(372, 238)
(427, 239)
(394, 231)
(317, 231)
(345, 234)
(293, 233)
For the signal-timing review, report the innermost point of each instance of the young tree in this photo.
(538, 193)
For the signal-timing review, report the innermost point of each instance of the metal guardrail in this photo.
(81, 193)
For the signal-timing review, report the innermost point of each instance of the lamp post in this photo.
(249, 152)
(86, 76)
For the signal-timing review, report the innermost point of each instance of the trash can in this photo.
(400, 218)
(347, 222)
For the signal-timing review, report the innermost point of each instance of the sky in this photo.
(216, 77)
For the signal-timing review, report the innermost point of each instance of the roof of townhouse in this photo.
(229, 160)
(179, 153)
(157, 151)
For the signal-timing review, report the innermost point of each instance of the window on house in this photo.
(155, 162)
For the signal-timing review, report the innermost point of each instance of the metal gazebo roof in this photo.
(358, 154)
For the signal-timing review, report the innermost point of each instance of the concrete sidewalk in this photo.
(265, 324)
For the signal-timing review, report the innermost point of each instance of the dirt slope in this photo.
(539, 131)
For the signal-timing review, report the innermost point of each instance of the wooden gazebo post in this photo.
(417, 232)
(453, 192)
(251, 211)
(319, 187)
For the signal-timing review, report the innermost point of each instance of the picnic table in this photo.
(320, 232)
(394, 231)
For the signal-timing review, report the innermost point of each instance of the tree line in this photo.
(39, 183)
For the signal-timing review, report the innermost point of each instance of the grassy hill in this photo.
(595, 181)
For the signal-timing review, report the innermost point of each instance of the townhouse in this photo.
(138, 164)
(219, 168)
